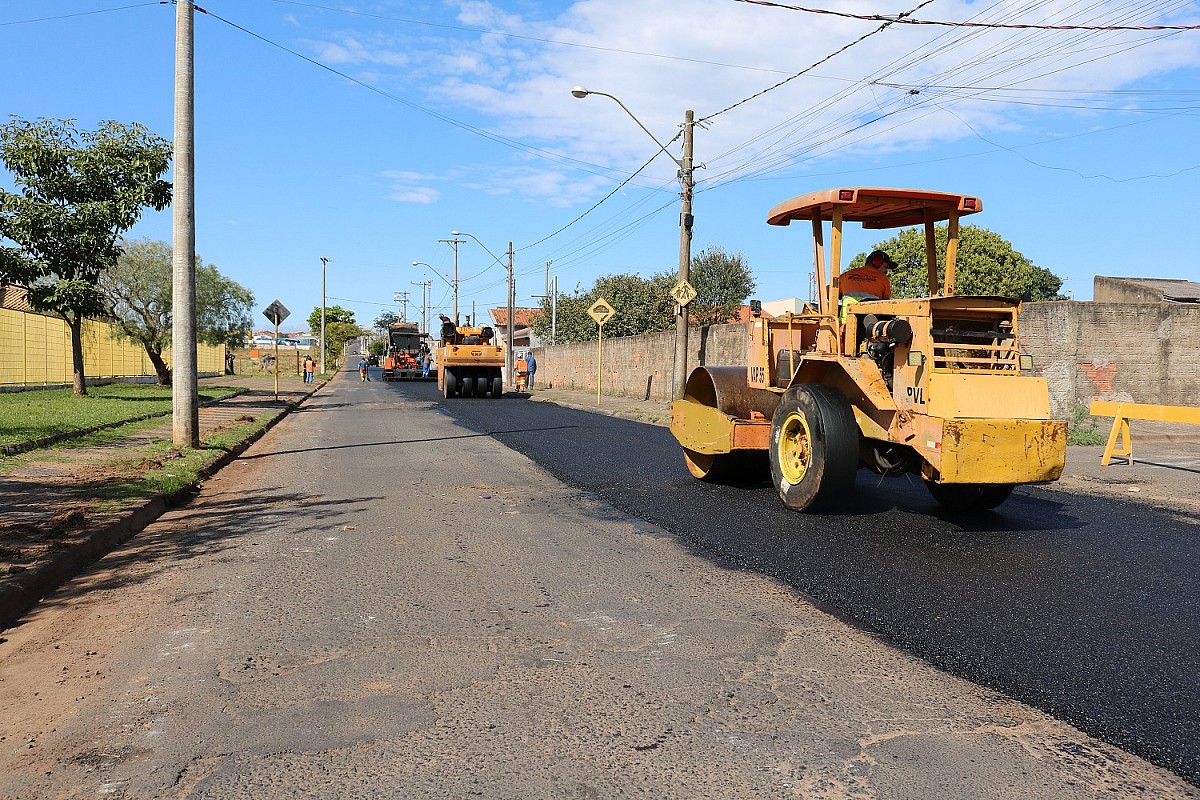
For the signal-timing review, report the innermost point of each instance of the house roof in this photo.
(524, 316)
(14, 297)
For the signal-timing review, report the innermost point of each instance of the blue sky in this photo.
(366, 130)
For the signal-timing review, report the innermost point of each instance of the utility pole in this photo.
(324, 261)
(402, 299)
(548, 263)
(552, 297)
(509, 363)
(424, 303)
(687, 183)
(455, 242)
(185, 393)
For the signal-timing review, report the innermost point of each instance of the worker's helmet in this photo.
(888, 263)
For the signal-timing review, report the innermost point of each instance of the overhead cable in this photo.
(904, 19)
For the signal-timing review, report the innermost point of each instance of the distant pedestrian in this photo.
(228, 362)
(522, 372)
(362, 370)
(310, 368)
(531, 368)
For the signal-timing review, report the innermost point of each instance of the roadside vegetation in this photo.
(37, 414)
(1084, 429)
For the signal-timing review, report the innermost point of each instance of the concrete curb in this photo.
(28, 588)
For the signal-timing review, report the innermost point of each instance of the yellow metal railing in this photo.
(1123, 412)
(35, 350)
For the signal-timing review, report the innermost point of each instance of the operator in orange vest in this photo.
(870, 281)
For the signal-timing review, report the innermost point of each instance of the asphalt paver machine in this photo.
(934, 386)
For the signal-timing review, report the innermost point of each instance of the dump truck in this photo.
(933, 386)
(406, 345)
(470, 363)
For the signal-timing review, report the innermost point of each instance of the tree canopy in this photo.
(722, 282)
(340, 328)
(138, 297)
(644, 305)
(987, 264)
(381, 322)
(77, 192)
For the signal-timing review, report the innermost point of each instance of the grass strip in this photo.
(41, 413)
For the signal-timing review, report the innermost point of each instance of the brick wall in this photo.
(1141, 353)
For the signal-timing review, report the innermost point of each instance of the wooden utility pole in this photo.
(509, 362)
(185, 393)
(324, 262)
(687, 183)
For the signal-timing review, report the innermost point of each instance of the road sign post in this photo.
(601, 311)
(276, 312)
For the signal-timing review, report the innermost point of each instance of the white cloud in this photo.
(897, 90)
(411, 187)
(526, 85)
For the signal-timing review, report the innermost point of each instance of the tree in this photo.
(340, 328)
(722, 282)
(382, 322)
(78, 191)
(138, 297)
(987, 264)
(642, 305)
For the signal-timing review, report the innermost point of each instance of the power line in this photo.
(594, 207)
(526, 38)
(904, 19)
(87, 13)
(814, 65)
(504, 140)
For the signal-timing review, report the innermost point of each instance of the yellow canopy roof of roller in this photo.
(876, 207)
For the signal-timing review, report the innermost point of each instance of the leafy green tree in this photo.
(384, 319)
(77, 192)
(138, 297)
(642, 305)
(987, 264)
(340, 328)
(722, 282)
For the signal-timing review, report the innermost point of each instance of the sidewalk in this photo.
(1165, 468)
(56, 515)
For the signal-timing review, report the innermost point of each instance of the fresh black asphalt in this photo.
(1084, 607)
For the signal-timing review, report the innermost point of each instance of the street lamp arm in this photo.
(434, 271)
(581, 93)
(495, 257)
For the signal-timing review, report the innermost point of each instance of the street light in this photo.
(508, 350)
(455, 242)
(687, 183)
(452, 284)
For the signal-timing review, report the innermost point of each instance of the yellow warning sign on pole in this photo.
(601, 311)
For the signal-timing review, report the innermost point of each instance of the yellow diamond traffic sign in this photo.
(683, 293)
(601, 311)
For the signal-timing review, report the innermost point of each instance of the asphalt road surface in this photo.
(1084, 607)
(381, 600)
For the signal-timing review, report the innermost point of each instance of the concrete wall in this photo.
(1114, 351)
(1140, 353)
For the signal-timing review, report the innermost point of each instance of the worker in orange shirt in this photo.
(522, 372)
(870, 281)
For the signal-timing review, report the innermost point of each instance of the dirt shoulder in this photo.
(63, 507)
